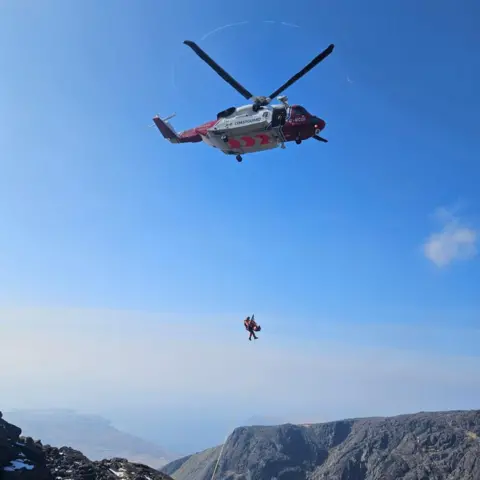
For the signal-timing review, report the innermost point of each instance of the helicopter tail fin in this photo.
(166, 128)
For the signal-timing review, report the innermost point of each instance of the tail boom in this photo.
(189, 136)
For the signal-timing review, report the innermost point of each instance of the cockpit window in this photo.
(300, 111)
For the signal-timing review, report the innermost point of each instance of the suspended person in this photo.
(252, 327)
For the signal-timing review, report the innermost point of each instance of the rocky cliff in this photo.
(23, 458)
(423, 446)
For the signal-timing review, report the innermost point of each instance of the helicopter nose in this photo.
(318, 123)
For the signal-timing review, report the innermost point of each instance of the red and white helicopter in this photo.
(251, 128)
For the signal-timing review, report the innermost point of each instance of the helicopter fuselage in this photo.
(242, 130)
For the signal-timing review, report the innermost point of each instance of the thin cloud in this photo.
(287, 24)
(454, 242)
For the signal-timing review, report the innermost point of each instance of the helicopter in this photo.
(255, 127)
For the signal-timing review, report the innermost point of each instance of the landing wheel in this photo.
(298, 141)
(239, 158)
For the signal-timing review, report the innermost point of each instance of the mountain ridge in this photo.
(423, 445)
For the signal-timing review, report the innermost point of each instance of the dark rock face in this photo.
(25, 459)
(175, 465)
(423, 446)
(20, 458)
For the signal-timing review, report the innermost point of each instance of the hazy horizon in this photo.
(168, 381)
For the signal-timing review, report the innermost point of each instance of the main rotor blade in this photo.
(305, 70)
(226, 76)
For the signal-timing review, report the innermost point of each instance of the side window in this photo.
(226, 113)
(299, 114)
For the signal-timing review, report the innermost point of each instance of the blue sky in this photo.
(369, 240)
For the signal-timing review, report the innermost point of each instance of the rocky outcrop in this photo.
(93, 435)
(25, 459)
(423, 446)
(20, 457)
(66, 463)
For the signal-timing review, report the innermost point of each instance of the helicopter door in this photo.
(278, 117)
